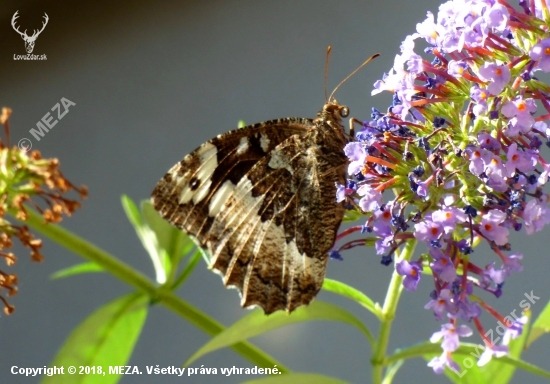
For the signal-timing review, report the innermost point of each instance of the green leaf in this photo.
(471, 352)
(517, 363)
(204, 253)
(241, 124)
(466, 357)
(354, 294)
(77, 269)
(137, 280)
(188, 269)
(426, 350)
(469, 372)
(418, 350)
(296, 378)
(149, 240)
(106, 338)
(173, 240)
(256, 323)
(540, 326)
(132, 211)
(391, 371)
(500, 370)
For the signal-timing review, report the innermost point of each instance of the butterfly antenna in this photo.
(353, 73)
(326, 70)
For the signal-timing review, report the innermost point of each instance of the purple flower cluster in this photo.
(456, 159)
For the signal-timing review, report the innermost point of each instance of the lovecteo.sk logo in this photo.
(29, 40)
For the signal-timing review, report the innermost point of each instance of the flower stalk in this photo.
(26, 179)
(389, 309)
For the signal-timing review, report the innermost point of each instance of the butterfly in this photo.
(261, 200)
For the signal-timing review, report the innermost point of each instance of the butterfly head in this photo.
(332, 114)
(334, 109)
(329, 122)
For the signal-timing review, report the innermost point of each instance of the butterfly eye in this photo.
(344, 112)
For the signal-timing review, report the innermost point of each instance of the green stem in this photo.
(137, 280)
(388, 313)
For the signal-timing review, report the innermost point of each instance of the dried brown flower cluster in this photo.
(25, 176)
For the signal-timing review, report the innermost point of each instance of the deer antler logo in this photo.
(29, 40)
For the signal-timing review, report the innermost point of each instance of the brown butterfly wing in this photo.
(272, 237)
(267, 217)
(191, 193)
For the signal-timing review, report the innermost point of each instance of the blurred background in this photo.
(151, 82)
